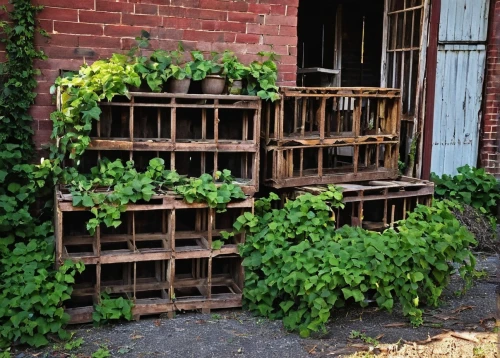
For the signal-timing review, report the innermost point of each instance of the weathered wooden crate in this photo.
(291, 166)
(375, 205)
(163, 286)
(329, 116)
(161, 256)
(185, 122)
(244, 166)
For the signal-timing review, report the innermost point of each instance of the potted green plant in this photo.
(179, 75)
(140, 62)
(158, 69)
(235, 71)
(209, 72)
(262, 77)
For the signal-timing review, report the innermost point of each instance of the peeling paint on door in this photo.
(459, 84)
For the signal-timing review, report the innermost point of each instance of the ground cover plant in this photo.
(299, 268)
(471, 186)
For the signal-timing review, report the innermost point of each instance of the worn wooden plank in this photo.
(332, 178)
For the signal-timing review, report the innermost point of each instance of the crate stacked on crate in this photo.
(161, 256)
(331, 135)
(313, 137)
(375, 205)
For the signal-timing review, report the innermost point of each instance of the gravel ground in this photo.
(237, 333)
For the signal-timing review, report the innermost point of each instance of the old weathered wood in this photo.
(301, 113)
(162, 252)
(391, 200)
(359, 126)
(331, 164)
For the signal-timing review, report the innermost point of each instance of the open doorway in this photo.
(340, 42)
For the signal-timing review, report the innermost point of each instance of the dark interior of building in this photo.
(359, 45)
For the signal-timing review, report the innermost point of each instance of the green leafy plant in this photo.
(201, 67)
(262, 77)
(298, 267)
(233, 68)
(205, 190)
(5, 353)
(217, 244)
(74, 344)
(102, 352)
(471, 186)
(112, 309)
(367, 339)
(32, 293)
(80, 97)
(130, 186)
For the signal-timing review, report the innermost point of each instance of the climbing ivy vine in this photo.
(31, 291)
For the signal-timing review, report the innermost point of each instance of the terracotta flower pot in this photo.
(213, 84)
(178, 86)
(236, 87)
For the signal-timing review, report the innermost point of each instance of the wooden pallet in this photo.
(375, 205)
(291, 166)
(163, 286)
(322, 116)
(161, 256)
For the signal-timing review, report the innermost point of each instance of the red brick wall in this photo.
(490, 156)
(86, 30)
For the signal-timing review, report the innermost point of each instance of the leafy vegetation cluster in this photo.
(299, 267)
(471, 186)
(31, 291)
(124, 185)
(105, 79)
(112, 309)
(157, 69)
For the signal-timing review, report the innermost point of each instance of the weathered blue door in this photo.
(460, 76)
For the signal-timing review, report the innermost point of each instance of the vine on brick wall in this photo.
(31, 292)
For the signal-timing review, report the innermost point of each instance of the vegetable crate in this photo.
(195, 134)
(331, 135)
(167, 255)
(375, 205)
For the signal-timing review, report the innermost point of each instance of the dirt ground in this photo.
(463, 326)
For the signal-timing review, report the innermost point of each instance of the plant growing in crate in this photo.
(112, 309)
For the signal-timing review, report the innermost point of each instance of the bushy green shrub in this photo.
(299, 267)
(32, 293)
(470, 186)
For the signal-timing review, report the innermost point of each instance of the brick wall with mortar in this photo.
(87, 30)
(490, 148)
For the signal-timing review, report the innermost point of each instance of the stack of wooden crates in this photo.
(161, 256)
(350, 137)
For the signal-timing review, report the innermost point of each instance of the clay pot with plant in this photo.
(178, 75)
(209, 72)
(235, 71)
